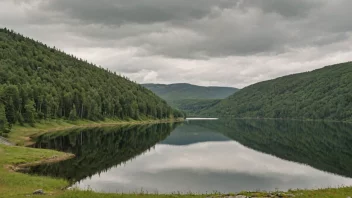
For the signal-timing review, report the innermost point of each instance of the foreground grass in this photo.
(21, 135)
(13, 184)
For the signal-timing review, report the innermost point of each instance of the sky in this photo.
(205, 42)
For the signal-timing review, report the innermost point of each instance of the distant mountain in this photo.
(181, 91)
(320, 94)
(190, 98)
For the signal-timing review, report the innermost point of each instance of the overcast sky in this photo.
(205, 42)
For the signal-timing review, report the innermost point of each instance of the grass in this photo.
(14, 184)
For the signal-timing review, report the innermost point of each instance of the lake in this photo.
(204, 156)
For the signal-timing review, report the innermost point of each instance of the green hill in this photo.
(320, 94)
(38, 82)
(190, 98)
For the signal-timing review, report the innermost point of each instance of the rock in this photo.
(38, 192)
(348, 197)
(241, 196)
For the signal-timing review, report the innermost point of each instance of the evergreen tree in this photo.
(10, 113)
(73, 114)
(3, 120)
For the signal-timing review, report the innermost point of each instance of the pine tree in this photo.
(3, 121)
(10, 113)
(73, 114)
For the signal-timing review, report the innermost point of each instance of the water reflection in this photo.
(204, 156)
(209, 166)
(324, 145)
(98, 149)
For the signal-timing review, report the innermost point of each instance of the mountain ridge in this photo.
(179, 91)
(189, 84)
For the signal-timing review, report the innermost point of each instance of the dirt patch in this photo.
(28, 141)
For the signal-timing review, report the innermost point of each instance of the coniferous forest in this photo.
(38, 82)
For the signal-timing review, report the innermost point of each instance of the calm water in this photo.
(204, 156)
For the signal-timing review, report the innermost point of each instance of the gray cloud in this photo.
(285, 8)
(225, 42)
(112, 12)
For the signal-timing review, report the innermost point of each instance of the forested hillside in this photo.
(190, 98)
(38, 82)
(320, 94)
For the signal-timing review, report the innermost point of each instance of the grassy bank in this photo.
(13, 184)
(21, 134)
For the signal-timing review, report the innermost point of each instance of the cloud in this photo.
(225, 42)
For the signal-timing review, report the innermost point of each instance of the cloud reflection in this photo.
(204, 167)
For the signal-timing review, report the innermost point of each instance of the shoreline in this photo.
(28, 132)
(22, 135)
(287, 119)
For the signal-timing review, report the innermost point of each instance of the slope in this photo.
(38, 82)
(320, 94)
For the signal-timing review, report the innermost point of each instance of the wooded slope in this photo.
(320, 94)
(38, 82)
